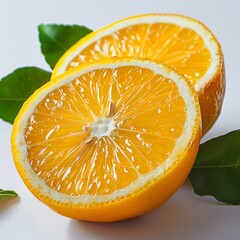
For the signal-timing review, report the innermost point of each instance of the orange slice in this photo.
(180, 42)
(108, 141)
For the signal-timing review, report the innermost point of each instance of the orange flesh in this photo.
(149, 115)
(180, 48)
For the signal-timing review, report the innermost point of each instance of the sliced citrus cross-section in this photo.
(109, 140)
(178, 41)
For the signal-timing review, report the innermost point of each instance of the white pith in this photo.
(181, 143)
(210, 42)
(102, 127)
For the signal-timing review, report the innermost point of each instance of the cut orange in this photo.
(109, 140)
(180, 42)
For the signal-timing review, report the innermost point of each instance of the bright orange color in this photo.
(83, 100)
(180, 42)
(168, 43)
(108, 141)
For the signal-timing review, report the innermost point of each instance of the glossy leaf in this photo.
(7, 194)
(17, 87)
(56, 39)
(216, 171)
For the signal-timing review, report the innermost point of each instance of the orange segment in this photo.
(177, 41)
(104, 134)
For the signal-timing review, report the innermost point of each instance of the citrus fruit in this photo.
(109, 140)
(178, 41)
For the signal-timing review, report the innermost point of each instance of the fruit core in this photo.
(102, 127)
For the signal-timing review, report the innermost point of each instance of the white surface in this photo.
(185, 215)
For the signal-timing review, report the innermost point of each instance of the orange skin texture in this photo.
(211, 98)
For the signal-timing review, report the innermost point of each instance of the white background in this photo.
(185, 215)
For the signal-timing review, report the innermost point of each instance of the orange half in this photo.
(108, 141)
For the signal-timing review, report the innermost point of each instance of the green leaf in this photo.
(17, 87)
(216, 171)
(56, 39)
(7, 194)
